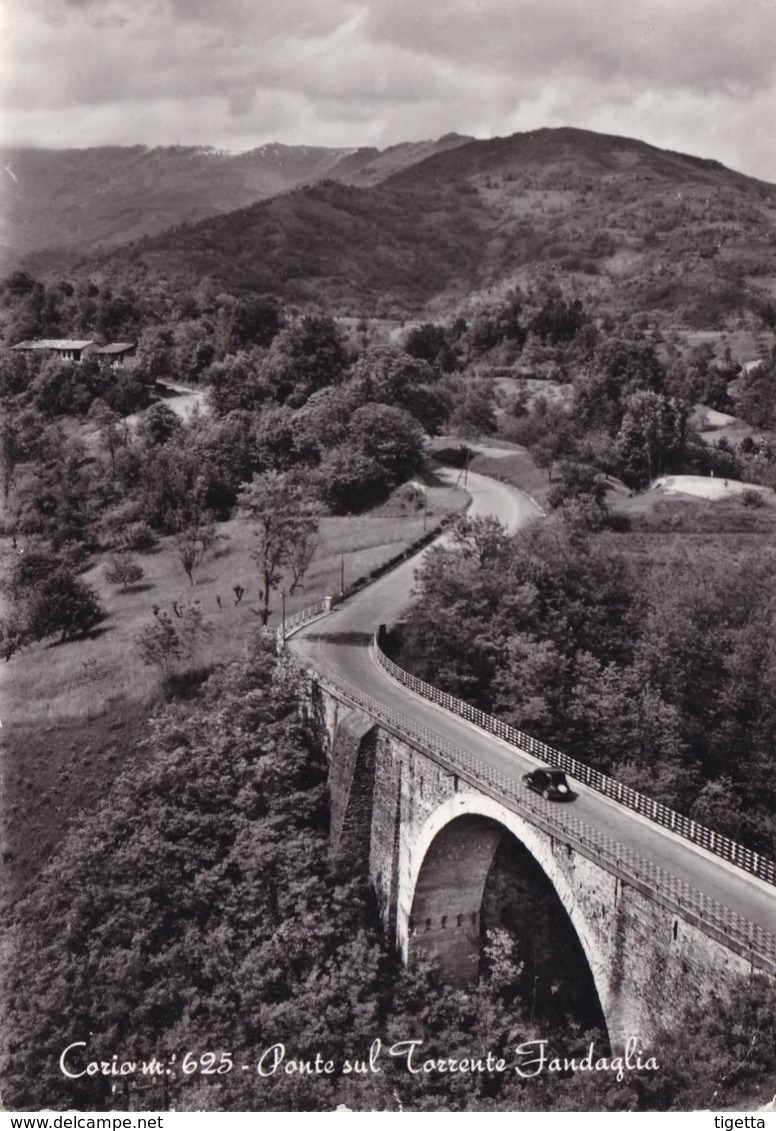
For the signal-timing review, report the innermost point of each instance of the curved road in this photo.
(340, 643)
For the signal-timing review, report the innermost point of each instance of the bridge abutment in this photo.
(447, 899)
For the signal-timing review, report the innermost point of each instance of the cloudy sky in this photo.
(693, 75)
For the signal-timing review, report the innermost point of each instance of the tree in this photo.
(383, 447)
(238, 382)
(194, 630)
(62, 493)
(306, 356)
(124, 570)
(429, 343)
(64, 604)
(160, 645)
(386, 374)
(580, 495)
(158, 426)
(17, 372)
(128, 389)
(188, 552)
(285, 516)
(300, 555)
(391, 437)
(652, 433)
(226, 445)
(484, 540)
(351, 480)
(13, 634)
(755, 399)
(111, 429)
(230, 853)
(250, 321)
(322, 423)
(718, 806)
(559, 319)
(165, 642)
(20, 434)
(473, 412)
(54, 388)
(548, 432)
(619, 368)
(496, 325)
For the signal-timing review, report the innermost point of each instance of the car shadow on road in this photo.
(354, 639)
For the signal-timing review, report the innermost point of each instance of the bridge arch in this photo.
(440, 898)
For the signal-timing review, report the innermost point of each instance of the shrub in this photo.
(137, 536)
(752, 498)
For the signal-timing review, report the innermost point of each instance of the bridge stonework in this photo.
(428, 838)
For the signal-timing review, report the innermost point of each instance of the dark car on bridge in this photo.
(552, 784)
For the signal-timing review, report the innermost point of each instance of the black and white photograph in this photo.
(387, 557)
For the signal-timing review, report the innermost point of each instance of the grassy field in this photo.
(73, 713)
(745, 345)
(657, 512)
(500, 459)
(662, 525)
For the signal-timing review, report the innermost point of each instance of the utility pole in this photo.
(465, 469)
(283, 614)
(342, 575)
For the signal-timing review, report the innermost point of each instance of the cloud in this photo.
(693, 44)
(694, 75)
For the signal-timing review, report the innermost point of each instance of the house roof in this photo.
(117, 347)
(53, 344)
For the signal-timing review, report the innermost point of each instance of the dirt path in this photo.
(182, 399)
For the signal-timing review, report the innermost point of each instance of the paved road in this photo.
(340, 642)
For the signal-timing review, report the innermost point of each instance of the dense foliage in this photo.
(286, 403)
(658, 670)
(47, 599)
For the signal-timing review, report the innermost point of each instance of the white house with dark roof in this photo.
(68, 349)
(71, 349)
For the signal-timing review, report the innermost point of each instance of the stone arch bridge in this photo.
(427, 822)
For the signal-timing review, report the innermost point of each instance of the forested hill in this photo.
(630, 228)
(566, 155)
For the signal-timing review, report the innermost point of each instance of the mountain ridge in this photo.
(424, 227)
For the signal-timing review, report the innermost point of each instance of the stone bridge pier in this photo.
(427, 840)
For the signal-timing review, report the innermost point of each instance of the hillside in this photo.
(360, 169)
(350, 249)
(84, 199)
(428, 228)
